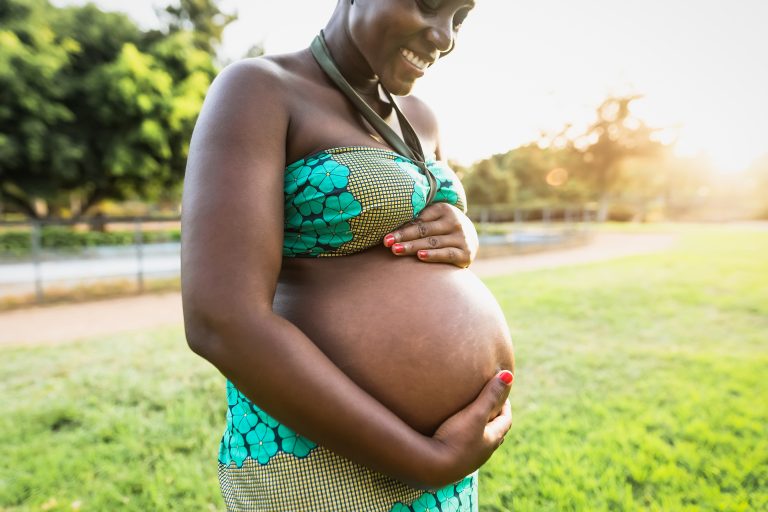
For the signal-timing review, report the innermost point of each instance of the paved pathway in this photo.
(68, 322)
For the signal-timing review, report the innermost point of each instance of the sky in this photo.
(523, 67)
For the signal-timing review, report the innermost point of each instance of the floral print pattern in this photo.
(251, 432)
(319, 205)
(262, 441)
(329, 177)
(420, 187)
(461, 497)
(318, 210)
(294, 443)
(340, 208)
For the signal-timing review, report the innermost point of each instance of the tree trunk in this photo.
(89, 202)
(21, 203)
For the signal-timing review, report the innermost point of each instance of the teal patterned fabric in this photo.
(253, 436)
(459, 497)
(339, 201)
(344, 200)
(253, 433)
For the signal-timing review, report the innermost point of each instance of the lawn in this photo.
(641, 385)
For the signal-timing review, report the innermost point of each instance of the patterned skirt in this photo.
(265, 466)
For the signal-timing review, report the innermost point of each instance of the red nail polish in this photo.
(398, 248)
(389, 240)
(422, 254)
(506, 377)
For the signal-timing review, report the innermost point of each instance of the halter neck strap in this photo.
(410, 148)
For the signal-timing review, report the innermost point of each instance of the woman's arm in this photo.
(232, 225)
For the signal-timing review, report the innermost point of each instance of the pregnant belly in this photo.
(421, 338)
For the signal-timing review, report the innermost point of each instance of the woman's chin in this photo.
(398, 86)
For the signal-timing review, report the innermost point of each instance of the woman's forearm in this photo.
(279, 368)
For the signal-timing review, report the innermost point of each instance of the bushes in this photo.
(15, 243)
(62, 238)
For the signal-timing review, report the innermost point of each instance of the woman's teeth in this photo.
(413, 59)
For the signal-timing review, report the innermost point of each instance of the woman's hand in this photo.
(468, 438)
(440, 234)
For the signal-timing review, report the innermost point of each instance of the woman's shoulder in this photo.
(266, 73)
(266, 78)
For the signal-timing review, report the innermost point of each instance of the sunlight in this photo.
(497, 93)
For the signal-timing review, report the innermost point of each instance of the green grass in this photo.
(641, 385)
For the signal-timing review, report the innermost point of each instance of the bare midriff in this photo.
(421, 338)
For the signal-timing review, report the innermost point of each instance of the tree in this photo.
(92, 108)
(33, 104)
(520, 177)
(486, 184)
(617, 137)
(203, 18)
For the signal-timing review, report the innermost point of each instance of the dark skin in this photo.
(243, 301)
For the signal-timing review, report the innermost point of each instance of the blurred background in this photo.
(550, 111)
(593, 130)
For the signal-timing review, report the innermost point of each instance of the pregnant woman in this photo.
(323, 274)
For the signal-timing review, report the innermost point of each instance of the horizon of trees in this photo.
(93, 109)
(620, 167)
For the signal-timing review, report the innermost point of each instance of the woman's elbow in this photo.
(202, 338)
(217, 333)
(204, 328)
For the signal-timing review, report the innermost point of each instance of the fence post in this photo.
(36, 236)
(138, 240)
(483, 220)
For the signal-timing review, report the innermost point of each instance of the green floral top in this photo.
(343, 200)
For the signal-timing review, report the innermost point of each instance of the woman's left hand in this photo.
(440, 234)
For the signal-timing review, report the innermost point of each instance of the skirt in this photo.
(265, 466)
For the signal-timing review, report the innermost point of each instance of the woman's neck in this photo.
(350, 61)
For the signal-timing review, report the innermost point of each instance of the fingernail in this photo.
(389, 240)
(506, 377)
(398, 248)
(422, 254)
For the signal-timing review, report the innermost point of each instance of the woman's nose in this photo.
(440, 34)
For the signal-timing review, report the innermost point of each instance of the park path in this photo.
(46, 325)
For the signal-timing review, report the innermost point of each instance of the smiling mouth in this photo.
(415, 60)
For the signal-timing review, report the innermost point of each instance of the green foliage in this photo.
(639, 387)
(15, 243)
(203, 19)
(615, 156)
(488, 184)
(519, 177)
(95, 108)
(33, 105)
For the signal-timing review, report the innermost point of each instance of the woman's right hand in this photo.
(468, 438)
